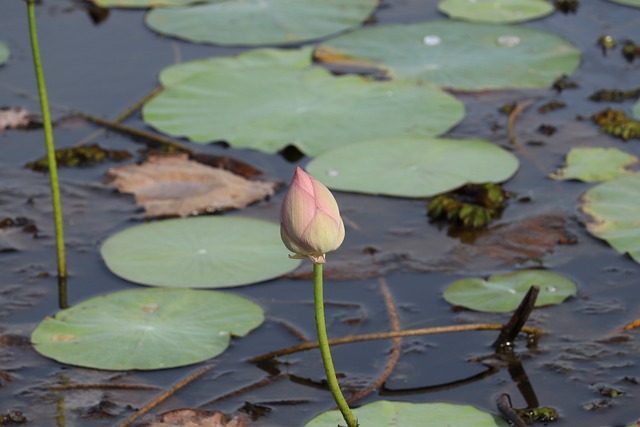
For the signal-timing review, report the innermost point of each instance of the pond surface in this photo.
(101, 69)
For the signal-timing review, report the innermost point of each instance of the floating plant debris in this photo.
(17, 118)
(563, 83)
(508, 108)
(616, 123)
(551, 106)
(543, 414)
(607, 43)
(82, 156)
(567, 6)
(615, 95)
(630, 50)
(547, 130)
(472, 206)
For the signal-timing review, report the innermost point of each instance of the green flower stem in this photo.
(323, 340)
(51, 155)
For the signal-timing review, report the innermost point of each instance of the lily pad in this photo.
(503, 292)
(4, 53)
(388, 413)
(632, 3)
(260, 22)
(146, 328)
(496, 11)
(615, 208)
(592, 164)
(268, 107)
(460, 55)
(204, 252)
(413, 166)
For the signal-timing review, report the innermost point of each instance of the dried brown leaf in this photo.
(15, 118)
(173, 185)
(197, 418)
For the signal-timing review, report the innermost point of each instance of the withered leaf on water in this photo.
(173, 185)
(197, 418)
(16, 118)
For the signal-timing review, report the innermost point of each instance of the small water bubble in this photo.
(332, 172)
(551, 288)
(508, 41)
(202, 251)
(432, 40)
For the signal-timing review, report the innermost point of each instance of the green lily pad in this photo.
(4, 53)
(615, 209)
(203, 252)
(260, 22)
(412, 166)
(268, 107)
(146, 328)
(592, 164)
(632, 3)
(385, 413)
(460, 55)
(504, 292)
(496, 11)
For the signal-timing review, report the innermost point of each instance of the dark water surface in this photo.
(102, 69)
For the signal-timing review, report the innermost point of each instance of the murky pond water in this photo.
(103, 68)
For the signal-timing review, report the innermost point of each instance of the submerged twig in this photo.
(388, 335)
(164, 396)
(262, 383)
(513, 327)
(512, 120)
(506, 409)
(395, 351)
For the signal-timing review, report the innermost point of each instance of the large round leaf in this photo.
(204, 252)
(385, 413)
(270, 107)
(496, 11)
(260, 22)
(503, 292)
(4, 53)
(591, 164)
(413, 167)
(632, 3)
(461, 55)
(146, 328)
(615, 208)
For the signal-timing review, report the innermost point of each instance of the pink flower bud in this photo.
(310, 223)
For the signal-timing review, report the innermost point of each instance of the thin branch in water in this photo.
(291, 329)
(385, 391)
(520, 316)
(506, 409)
(395, 351)
(511, 121)
(167, 394)
(102, 387)
(388, 335)
(262, 383)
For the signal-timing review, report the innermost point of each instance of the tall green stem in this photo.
(51, 155)
(323, 340)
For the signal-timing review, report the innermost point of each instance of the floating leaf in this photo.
(461, 55)
(632, 3)
(146, 328)
(503, 292)
(268, 107)
(496, 11)
(385, 413)
(412, 166)
(174, 185)
(260, 22)
(197, 418)
(615, 209)
(592, 164)
(205, 252)
(16, 118)
(4, 53)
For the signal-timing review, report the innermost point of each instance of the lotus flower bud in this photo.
(310, 223)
